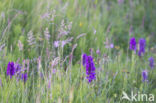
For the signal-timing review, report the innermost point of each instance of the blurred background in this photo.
(99, 23)
(47, 38)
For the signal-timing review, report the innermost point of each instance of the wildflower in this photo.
(98, 51)
(56, 44)
(132, 44)
(142, 44)
(111, 45)
(144, 76)
(55, 62)
(90, 69)
(64, 42)
(54, 71)
(11, 69)
(151, 62)
(117, 47)
(24, 77)
(49, 15)
(84, 57)
(80, 24)
(108, 44)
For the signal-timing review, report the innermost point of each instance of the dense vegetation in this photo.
(44, 45)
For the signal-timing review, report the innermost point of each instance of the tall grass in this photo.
(30, 28)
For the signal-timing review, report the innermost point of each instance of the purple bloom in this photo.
(142, 45)
(54, 71)
(144, 76)
(24, 77)
(15, 68)
(151, 62)
(84, 57)
(111, 45)
(56, 44)
(132, 44)
(90, 69)
(11, 69)
(98, 51)
(63, 43)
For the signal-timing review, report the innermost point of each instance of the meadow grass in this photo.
(48, 37)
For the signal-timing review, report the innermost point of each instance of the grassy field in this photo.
(77, 51)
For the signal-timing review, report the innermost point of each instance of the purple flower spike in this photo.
(24, 77)
(144, 75)
(11, 69)
(142, 45)
(90, 69)
(132, 44)
(84, 57)
(151, 62)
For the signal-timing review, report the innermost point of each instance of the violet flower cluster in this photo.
(132, 44)
(15, 69)
(84, 58)
(144, 76)
(151, 62)
(24, 77)
(11, 69)
(142, 45)
(141, 52)
(90, 67)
